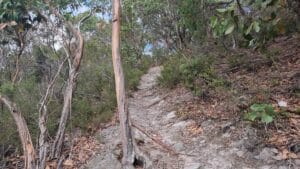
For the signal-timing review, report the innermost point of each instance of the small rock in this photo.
(274, 150)
(297, 162)
(222, 153)
(283, 167)
(233, 150)
(267, 154)
(193, 166)
(265, 167)
(206, 123)
(170, 116)
(182, 124)
(202, 141)
(240, 153)
(282, 103)
(278, 157)
(179, 147)
(226, 135)
(191, 163)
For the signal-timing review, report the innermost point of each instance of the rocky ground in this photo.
(169, 142)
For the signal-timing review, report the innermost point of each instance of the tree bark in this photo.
(58, 142)
(68, 94)
(25, 137)
(74, 59)
(43, 143)
(126, 135)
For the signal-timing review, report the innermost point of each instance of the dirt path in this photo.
(170, 143)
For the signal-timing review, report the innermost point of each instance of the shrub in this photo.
(264, 112)
(196, 74)
(170, 75)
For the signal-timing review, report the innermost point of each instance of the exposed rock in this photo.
(297, 162)
(167, 144)
(240, 153)
(191, 164)
(170, 116)
(267, 154)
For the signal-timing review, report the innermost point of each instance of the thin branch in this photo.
(240, 7)
(43, 101)
(83, 19)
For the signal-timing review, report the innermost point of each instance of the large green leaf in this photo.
(229, 29)
(249, 29)
(258, 107)
(266, 118)
(213, 21)
(256, 26)
(252, 42)
(269, 109)
(251, 116)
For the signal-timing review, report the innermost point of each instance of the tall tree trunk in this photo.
(25, 137)
(58, 142)
(68, 93)
(126, 135)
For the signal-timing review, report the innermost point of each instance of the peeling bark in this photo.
(74, 59)
(126, 135)
(68, 94)
(43, 144)
(25, 137)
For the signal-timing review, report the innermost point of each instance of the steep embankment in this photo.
(168, 142)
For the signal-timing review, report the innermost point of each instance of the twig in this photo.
(157, 101)
(161, 143)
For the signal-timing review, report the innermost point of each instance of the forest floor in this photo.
(175, 130)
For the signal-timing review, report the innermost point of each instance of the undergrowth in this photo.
(196, 74)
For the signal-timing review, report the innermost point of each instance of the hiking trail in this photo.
(168, 142)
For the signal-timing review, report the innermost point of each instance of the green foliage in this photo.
(7, 89)
(170, 75)
(264, 112)
(224, 24)
(8, 133)
(132, 77)
(94, 99)
(12, 10)
(197, 74)
(256, 25)
(192, 16)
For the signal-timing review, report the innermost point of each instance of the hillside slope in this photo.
(169, 142)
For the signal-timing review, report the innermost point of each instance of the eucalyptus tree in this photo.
(22, 21)
(126, 135)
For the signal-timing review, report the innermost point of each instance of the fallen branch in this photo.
(160, 143)
(157, 101)
(157, 141)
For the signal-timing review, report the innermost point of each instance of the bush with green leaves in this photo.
(196, 74)
(254, 21)
(170, 75)
(264, 112)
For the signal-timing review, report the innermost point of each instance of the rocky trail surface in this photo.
(168, 142)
